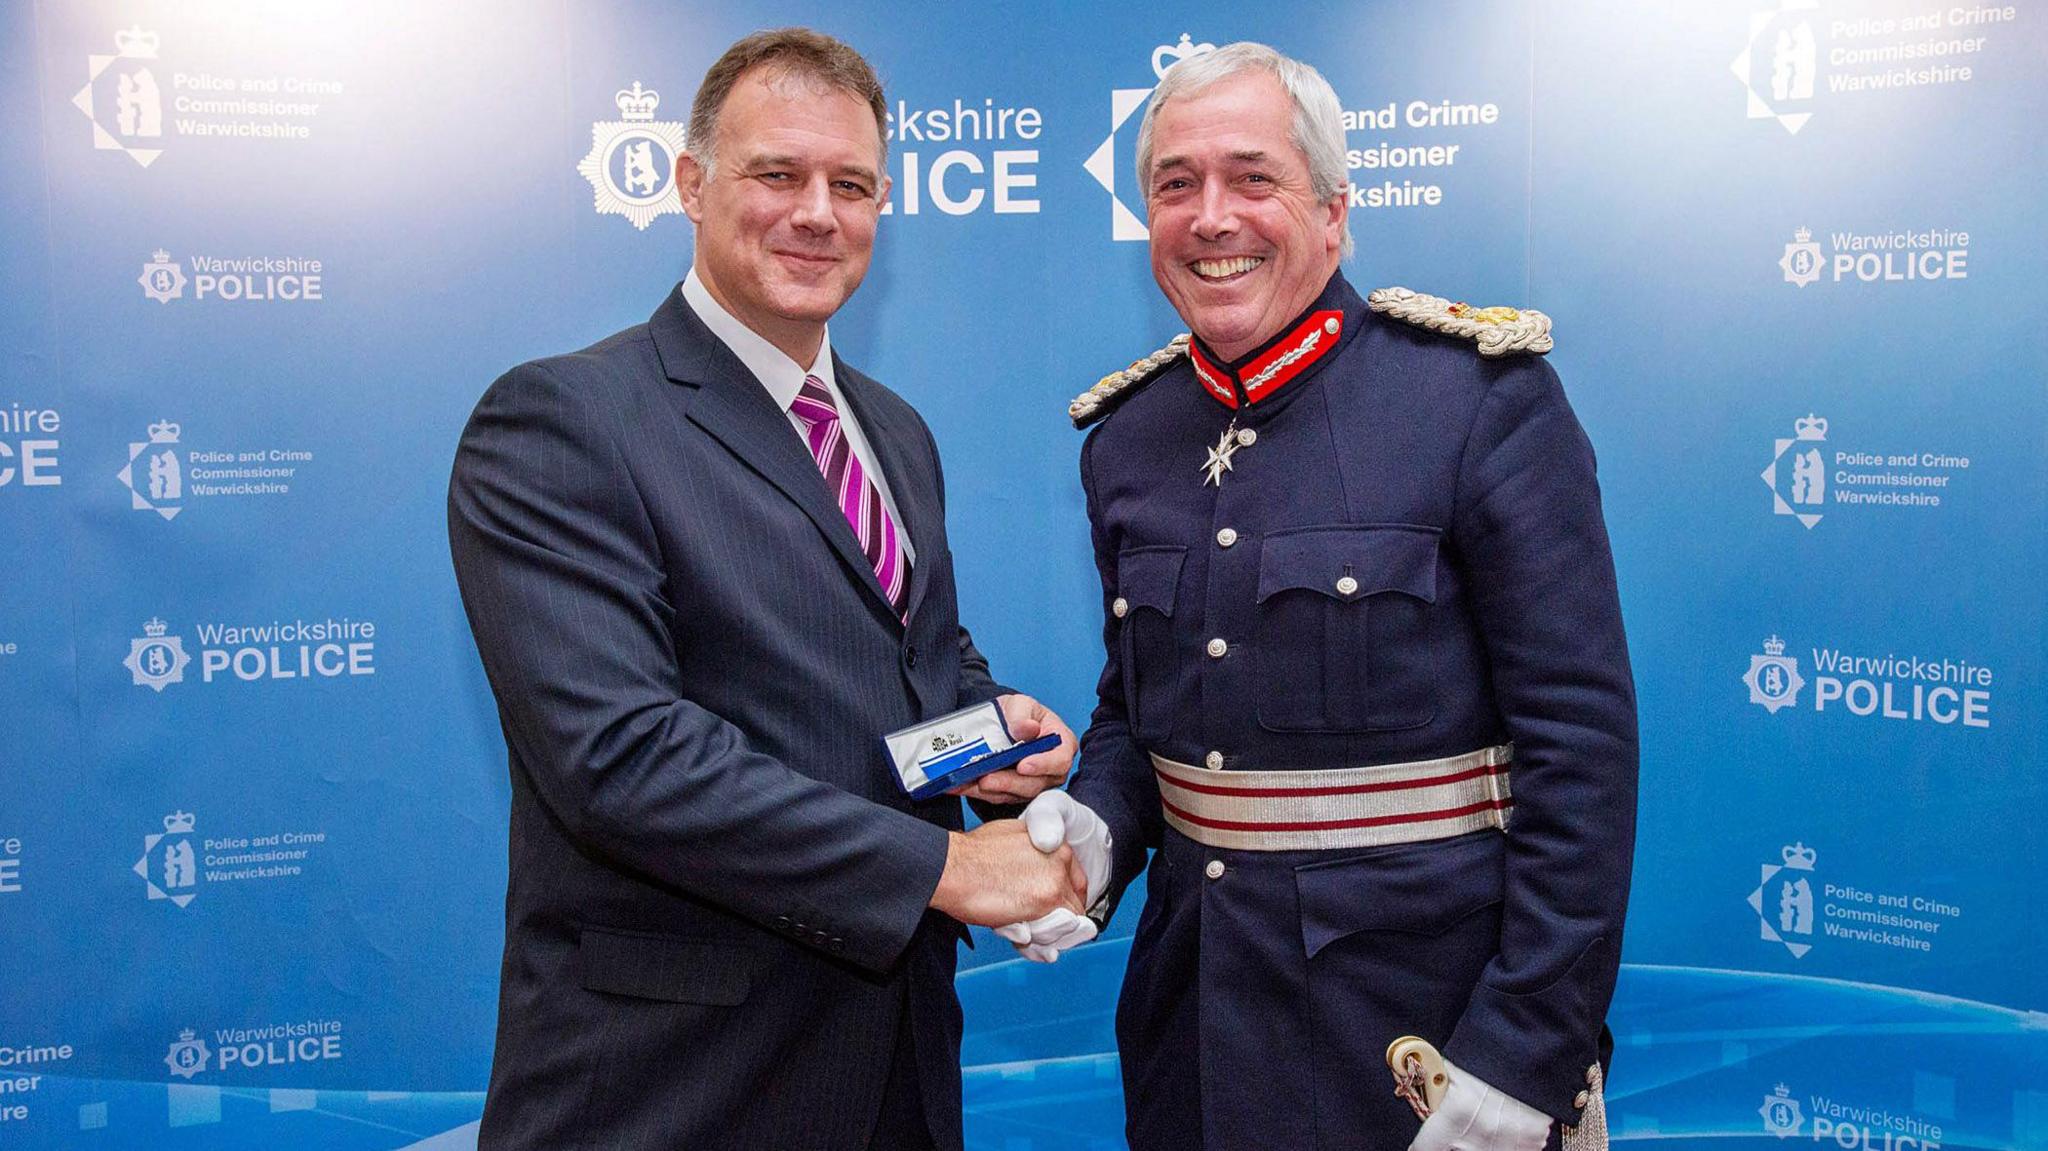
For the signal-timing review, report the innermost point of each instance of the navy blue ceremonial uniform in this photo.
(1406, 561)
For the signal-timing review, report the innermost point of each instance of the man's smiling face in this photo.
(1240, 244)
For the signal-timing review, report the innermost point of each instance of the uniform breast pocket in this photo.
(1147, 580)
(1345, 616)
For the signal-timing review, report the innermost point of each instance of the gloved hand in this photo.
(1477, 1117)
(1052, 819)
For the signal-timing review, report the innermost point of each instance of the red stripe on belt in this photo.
(1342, 789)
(1339, 824)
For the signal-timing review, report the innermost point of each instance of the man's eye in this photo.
(775, 177)
(854, 187)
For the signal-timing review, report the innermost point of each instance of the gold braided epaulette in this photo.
(1097, 402)
(1497, 331)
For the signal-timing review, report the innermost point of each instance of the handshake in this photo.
(1033, 879)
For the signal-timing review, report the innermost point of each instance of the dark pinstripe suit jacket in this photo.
(716, 911)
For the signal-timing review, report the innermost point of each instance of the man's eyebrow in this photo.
(1242, 156)
(781, 160)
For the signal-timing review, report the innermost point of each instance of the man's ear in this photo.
(1339, 208)
(882, 200)
(690, 186)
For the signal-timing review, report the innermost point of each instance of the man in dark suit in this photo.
(705, 562)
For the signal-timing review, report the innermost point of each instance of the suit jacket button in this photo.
(799, 927)
(837, 945)
(910, 656)
(782, 923)
(820, 937)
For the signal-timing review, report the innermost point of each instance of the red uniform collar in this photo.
(1267, 372)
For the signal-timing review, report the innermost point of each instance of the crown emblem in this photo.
(1774, 646)
(164, 432)
(1810, 427)
(187, 1035)
(155, 629)
(637, 103)
(133, 41)
(1784, 1092)
(1802, 236)
(1167, 55)
(160, 256)
(1800, 857)
(179, 821)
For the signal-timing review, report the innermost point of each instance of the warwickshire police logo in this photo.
(1801, 262)
(632, 162)
(1781, 1113)
(189, 1055)
(162, 280)
(1806, 484)
(1773, 678)
(1783, 899)
(123, 99)
(160, 484)
(1778, 64)
(1102, 164)
(157, 660)
(168, 865)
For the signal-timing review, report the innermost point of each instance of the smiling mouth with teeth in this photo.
(1226, 269)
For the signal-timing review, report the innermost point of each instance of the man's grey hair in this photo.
(1318, 129)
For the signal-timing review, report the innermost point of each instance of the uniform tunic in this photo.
(1407, 561)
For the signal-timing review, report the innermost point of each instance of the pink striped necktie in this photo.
(849, 483)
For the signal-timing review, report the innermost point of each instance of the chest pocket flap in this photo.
(1348, 563)
(1148, 578)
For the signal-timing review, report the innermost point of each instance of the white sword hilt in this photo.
(1419, 1075)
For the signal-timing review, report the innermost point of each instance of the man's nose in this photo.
(1216, 213)
(813, 211)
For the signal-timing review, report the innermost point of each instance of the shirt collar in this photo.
(1293, 353)
(782, 376)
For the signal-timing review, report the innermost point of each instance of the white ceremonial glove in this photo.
(1476, 1117)
(1052, 819)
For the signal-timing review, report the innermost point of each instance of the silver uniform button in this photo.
(1346, 586)
(1246, 437)
(1332, 326)
(1580, 1100)
(1226, 537)
(1217, 648)
(1592, 1074)
(1213, 761)
(1214, 870)
(1120, 608)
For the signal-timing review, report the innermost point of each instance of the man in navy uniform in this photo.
(1367, 690)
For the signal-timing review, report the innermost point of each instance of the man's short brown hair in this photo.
(794, 52)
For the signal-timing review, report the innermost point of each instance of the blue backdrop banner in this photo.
(260, 261)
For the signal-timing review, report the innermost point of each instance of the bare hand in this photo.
(994, 876)
(1027, 719)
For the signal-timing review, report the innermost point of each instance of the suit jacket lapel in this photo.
(914, 488)
(733, 407)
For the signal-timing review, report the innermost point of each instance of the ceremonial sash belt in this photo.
(1342, 807)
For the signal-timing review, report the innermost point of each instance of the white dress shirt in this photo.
(784, 378)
